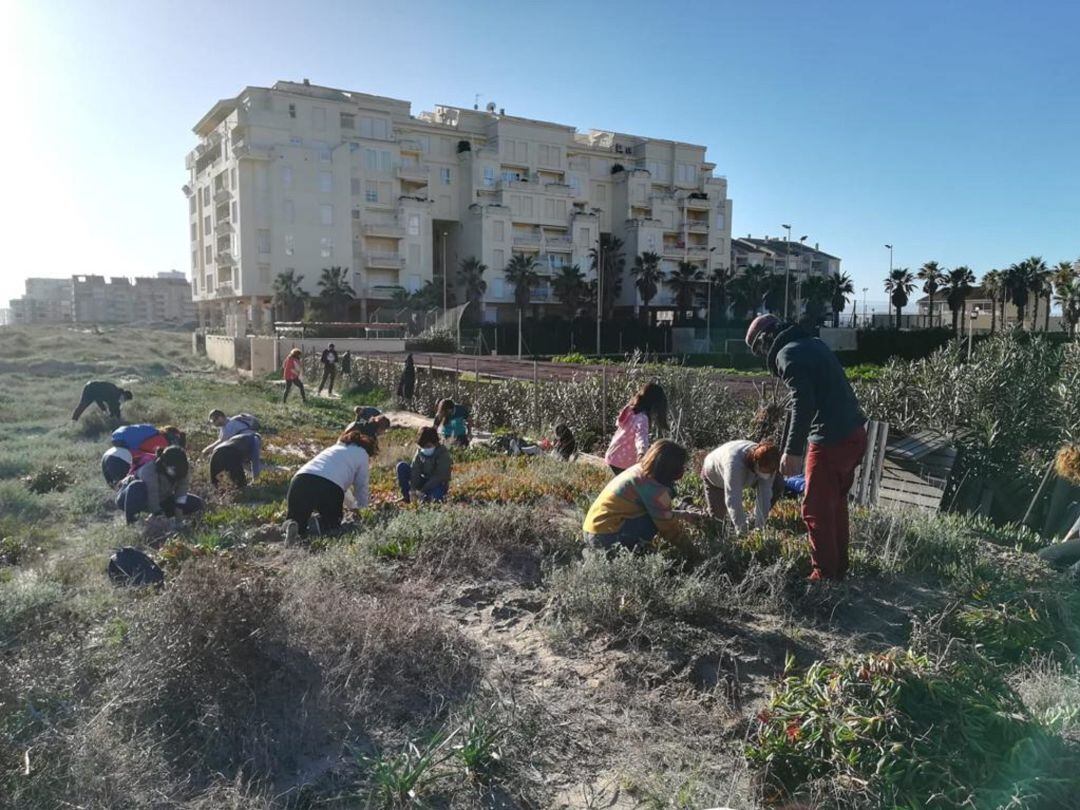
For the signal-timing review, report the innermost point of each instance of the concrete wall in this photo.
(840, 340)
(222, 350)
(268, 353)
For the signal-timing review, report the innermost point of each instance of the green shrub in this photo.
(50, 479)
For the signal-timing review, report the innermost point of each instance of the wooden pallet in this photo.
(904, 470)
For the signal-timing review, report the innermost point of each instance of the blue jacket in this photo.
(823, 407)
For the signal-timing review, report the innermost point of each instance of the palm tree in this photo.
(611, 248)
(685, 281)
(1037, 273)
(840, 287)
(899, 285)
(748, 288)
(521, 272)
(470, 276)
(932, 276)
(721, 279)
(647, 278)
(993, 284)
(1019, 281)
(570, 288)
(335, 293)
(958, 282)
(816, 291)
(1068, 298)
(289, 295)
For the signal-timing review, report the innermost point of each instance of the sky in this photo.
(947, 129)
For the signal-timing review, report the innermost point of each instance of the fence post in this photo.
(536, 398)
(476, 380)
(457, 373)
(603, 397)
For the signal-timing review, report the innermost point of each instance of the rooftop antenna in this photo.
(476, 102)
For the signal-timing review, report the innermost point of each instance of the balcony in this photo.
(527, 242)
(385, 292)
(243, 149)
(559, 243)
(540, 295)
(697, 203)
(224, 226)
(222, 194)
(386, 261)
(225, 258)
(415, 173)
(695, 225)
(389, 229)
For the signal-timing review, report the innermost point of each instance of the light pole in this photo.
(890, 258)
(787, 268)
(599, 288)
(865, 314)
(708, 302)
(799, 279)
(444, 273)
(971, 325)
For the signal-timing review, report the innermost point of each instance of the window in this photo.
(601, 192)
(720, 222)
(194, 259)
(262, 240)
(445, 175)
(290, 244)
(295, 141)
(574, 181)
(414, 255)
(498, 231)
(377, 128)
(194, 231)
(208, 254)
(489, 176)
(425, 143)
(498, 259)
(508, 176)
(326, 214)
(206, 225)
(289, 211)
(371, 191)
(206, 195)
(527, 206)
(686, 173)
(549, 155)
(264, 273)
(326, 182)
(318, 118)
(235, 179)
(286, 177)
(356, 213)
(348, 121)
(354, 186)
(324, 153)
(235, 212)
(414, 224)
(377, 160)
(292, 111)
(326, 247)
(191, 204)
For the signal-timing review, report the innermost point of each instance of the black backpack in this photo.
(129, 566)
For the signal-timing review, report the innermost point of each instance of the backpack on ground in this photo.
(133, 436)
(130, 566)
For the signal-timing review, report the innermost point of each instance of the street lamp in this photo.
(787, 268)
(890, 258)
(865, 314)
(971, 325)
(708, 301)
(444, 274)
(599, 288)
(799, 280)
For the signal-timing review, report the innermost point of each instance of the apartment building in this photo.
(161, 300)
(776, 253)
(301, 177)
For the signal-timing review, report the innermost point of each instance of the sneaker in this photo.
(291, 530)
(313, 528)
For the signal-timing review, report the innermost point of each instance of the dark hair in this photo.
(652, 401)
(665, 461)
(360, 439)
(174, 435)
(214, 414)
(443, 409)
(562, 431)
(126, 394)
(427, 436)
(174, 457)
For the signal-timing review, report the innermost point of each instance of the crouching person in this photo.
(159, 487)
(635, 505)
(232, 456)
(734, 467)
(428, 477)
(319, 486)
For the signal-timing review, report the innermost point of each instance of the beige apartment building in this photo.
(164, 299)
(301, 177)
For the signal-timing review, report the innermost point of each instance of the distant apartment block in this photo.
(300, 177)
(161, 300)
(777, 253)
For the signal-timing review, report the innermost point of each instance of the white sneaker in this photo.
(292, 532)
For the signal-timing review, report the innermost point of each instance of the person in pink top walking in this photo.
(631, 439)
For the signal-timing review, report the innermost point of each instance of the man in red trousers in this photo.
(825, 434)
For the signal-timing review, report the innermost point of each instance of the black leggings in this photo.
(312, 493)
(288, 387)
(329, 373)
(228, 459)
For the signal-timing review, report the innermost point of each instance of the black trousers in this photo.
(88, 399)
(288, 387)
(310, 493)
(329, 373)
(228, 459)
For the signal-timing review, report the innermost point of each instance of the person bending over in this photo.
(731, 468)
(231, 457)
(428, 477)
(159, 487)
(242, 426)
(134, 446)
(824, 425)
(369, 420)
(105, 395)
(319, 486)
(647, 407)
(635, 505)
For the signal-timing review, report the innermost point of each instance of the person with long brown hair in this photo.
(636, 505)
(293, 373)
(648, 407)
(320, 485)
(733, 467)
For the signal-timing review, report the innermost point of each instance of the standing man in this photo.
(105, 395)
(825, 430)
(329, 363)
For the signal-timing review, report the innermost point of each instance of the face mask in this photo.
(427, 451)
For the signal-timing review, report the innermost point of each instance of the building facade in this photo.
(299, 178)
(161, 300)
(979, 314)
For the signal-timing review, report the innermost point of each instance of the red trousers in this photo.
(830, 472)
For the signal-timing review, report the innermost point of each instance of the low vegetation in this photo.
(472, 655)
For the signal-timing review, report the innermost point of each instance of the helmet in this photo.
(760, 327)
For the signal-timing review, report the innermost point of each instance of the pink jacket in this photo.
(631, 439)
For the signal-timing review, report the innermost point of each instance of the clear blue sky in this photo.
(951, 130)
